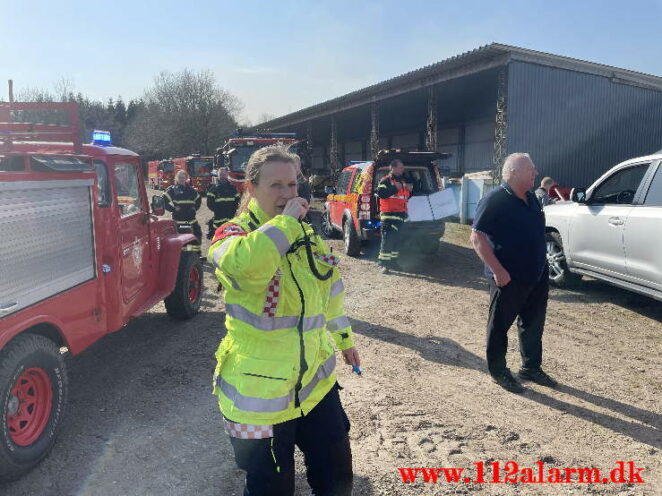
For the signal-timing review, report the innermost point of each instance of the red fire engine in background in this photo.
(161, 174)
(236, 151)
(82, 253)
(198, 168)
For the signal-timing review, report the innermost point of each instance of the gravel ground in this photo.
(142, 421)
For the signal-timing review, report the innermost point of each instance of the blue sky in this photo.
(278, 57)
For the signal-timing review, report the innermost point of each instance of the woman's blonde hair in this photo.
(255, 163)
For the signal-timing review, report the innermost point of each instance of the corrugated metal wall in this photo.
(318, 160)
(409, 141)
(478, 146)
(353, 151)
(448, 140)
(576, 126)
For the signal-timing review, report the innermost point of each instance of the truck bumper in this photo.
(434, 228)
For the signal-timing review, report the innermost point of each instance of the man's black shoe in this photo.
(385, 269)
(508, 382)
(537, 376)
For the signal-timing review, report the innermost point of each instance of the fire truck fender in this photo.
(171, 250)
(347, 214)
(43, 325)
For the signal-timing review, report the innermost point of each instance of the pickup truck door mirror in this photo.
(578, 195)
(158, 205)
(329, 190)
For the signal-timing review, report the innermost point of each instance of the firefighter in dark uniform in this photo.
(393, 191)
(223, 200)
(184, 201)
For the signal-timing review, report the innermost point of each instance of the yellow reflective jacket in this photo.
(277, 360)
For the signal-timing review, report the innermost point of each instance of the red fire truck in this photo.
(161, 173)
(238, 148)
(82, 253)
(198, 168)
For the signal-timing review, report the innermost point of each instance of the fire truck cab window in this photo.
(239, 159)
(200, 168)
(127, 189)
(12, 164)
(103, 188)
(343, 181)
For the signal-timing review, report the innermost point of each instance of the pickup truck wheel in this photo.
(184, 302)
(328, 230)
(559, 274)
(33, 393)
(352, 241)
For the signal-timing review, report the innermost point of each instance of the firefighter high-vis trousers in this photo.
(389, 249)
(321, 436)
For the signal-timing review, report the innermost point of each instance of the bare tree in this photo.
(265, 117)
(34, 94)
(64, 90)
(183, 113)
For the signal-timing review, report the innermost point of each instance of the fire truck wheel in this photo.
(327, 229)
(352, 241)
(33, 393)
(184, 301)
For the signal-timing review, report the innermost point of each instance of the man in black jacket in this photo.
(222, 200)
(184, 201)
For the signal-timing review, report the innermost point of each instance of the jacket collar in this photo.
(256, 213)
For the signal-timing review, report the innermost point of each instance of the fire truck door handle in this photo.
(10, 307)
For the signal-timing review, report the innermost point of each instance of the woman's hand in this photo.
(351, 356)
(296, 207)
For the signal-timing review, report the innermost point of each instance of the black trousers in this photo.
(195, 230)
(321, 436)
(389, 250)
(527, 303)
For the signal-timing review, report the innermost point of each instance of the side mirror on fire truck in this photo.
(158, 205)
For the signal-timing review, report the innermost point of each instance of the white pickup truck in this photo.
(611, 231)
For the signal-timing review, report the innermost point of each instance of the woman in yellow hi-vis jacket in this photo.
(275, 378)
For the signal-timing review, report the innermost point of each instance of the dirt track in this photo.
(142, 421)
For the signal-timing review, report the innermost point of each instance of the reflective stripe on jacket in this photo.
(186, 198)
(223, 199)
(277, 360)
(392, 194)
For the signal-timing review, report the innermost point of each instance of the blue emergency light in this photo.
(101, 138)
